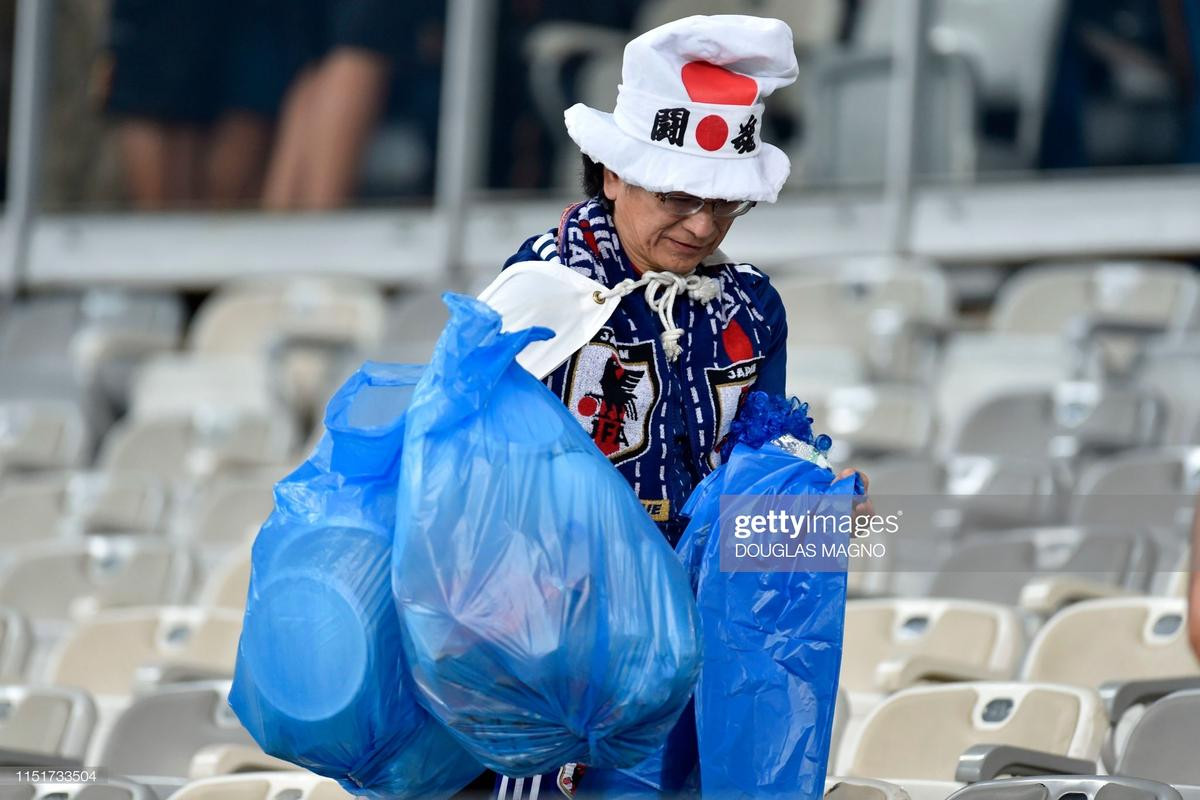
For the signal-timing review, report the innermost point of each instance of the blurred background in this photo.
(213, 211)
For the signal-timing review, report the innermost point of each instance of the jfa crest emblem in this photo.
(728, 386)
(612, 388)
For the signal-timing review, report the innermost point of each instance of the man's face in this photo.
(657, 240)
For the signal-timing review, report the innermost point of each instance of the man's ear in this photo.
(612, 184)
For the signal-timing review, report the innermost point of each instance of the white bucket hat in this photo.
(689, 109)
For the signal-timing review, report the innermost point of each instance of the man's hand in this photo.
(863, 508)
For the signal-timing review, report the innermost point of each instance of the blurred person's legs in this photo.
(352, 90)
(266, 43)
(161, 163)
(162, 90)
(285, 178)
(332, 110)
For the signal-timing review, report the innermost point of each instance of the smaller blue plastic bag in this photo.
(320, 678)
(547, 621)
(772, 632)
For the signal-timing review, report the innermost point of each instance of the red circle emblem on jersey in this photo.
(587, 407)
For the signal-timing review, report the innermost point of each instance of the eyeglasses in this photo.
(685, 205)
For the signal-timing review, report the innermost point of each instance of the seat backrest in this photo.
(228, 510)
(1162, 746)
(158, 733)
(920, 733)
(1068, 787)
(996, 566)
(31, 507)
(1117, 639)
(56, 581)
(248, 316)
(47, 720)
(1172, 367)
(1047, 298)
(103, 653)
(981, 636)
(1146, 488)
(16, 641)
(264, 786)
(229, 581)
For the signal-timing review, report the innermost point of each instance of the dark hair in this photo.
(593, 181)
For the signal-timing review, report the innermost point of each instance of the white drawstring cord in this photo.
(661, 290)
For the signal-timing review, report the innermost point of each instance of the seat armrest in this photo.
(984, 762)
(1047, 594)
(152, 676)
(1120, 696)
(1081, 787)
(900, 673)
(229, 759)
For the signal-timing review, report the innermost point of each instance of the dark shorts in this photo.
(188, 61)
(383, 27)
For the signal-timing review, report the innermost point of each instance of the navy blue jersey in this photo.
(662, 422)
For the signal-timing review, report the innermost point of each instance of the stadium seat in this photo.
(46, 421)
(1116, 639)
(16, 641)
(916, 737)
(55, 582)
(1068, 787)
(1151, 488)
(1171, 366)
(294, 327)
(1048, 298)
(105, 653)
(99, 335)
(1043, 569)
(30, 507)
(882, 313)
(1162, 746)
(875, 420)
(894, 644)
(155, 738)
(295, 785)
(228, 510)
(110, 789)
(46, 720)
(228, 582)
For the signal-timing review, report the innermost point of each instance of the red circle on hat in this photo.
(588, 406)
(712, 132)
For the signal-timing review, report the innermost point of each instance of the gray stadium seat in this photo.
(1162, 746)
(46, 420)
(16, 641)
(46, 720)
(154, 739)
(228, 510)
(55, 582)
(229, 581)
(1151, 488)
(844, 788)
(1068, 787)
(1171, 366)
(1043, 569)
(1048, 298)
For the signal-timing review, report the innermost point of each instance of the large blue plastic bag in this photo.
(320, 678)
(547, 620)
(772, 639)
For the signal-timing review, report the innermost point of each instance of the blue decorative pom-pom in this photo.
(764, 417)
